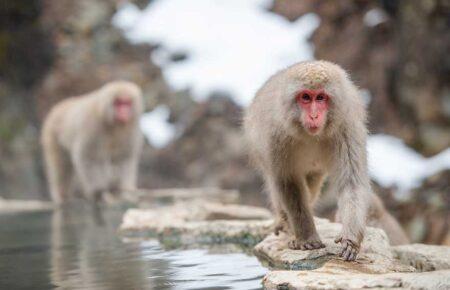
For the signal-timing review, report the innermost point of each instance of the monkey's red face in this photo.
(123, 110)
(314, 105)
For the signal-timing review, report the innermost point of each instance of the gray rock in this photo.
(151, 198)
(379, 266)
(185, 223)
(375, 256)
(341, 276)
(424, 257)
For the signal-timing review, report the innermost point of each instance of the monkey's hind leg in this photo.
(90, 175)
(294, 198)
(281, 220)
(59, 171)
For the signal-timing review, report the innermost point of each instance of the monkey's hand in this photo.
(309, 244)
(350, 249)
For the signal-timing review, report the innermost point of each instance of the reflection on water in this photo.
(80, 249)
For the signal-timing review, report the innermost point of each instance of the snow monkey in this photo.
(95, 141)
(308, 123)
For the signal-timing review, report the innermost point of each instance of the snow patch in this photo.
(231, 45)
(126, 16)
(392, 163)
(374, 17)
(366, 96)
(156, 128)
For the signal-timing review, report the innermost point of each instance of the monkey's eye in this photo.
(320, 98)
(306, 98)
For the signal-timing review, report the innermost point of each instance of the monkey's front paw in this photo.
(350, 249)
(310, 244)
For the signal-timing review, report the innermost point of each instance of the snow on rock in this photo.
(374, 17)
(231, 45)
(126, 17)
(392, 163)
(156, 128)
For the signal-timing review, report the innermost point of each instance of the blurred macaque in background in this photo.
(93, 142)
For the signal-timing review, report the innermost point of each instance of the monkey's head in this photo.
(122, 102)
(317, 92)
(314, 105)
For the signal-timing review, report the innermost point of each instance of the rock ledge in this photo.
(378, 265)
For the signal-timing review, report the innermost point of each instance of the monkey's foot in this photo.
(280, 226)
(309, 244)
(350, 249)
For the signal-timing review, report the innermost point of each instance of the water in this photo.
(80, 249)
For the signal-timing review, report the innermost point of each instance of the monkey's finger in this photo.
(353, 255)
(346, 246)
(338, 240)
(319, 245)
(294, 245)
(310, 245)
(347, 254)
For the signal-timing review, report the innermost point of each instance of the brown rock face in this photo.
(209, 152)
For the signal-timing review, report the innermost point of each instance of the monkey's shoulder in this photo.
(64, 107)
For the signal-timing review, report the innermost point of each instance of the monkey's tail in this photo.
(379, 217)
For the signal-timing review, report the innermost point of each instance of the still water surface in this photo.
(80, 249)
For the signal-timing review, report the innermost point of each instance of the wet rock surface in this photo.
(198, 222)
(16, 205)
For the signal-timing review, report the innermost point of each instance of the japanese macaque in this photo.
(308, 123)
(94, 142)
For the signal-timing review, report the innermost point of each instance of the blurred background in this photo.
(200, 63)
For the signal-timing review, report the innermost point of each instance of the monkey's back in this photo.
(259, 123)
(56, 127)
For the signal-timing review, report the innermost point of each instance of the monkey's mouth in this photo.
(314, 129)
